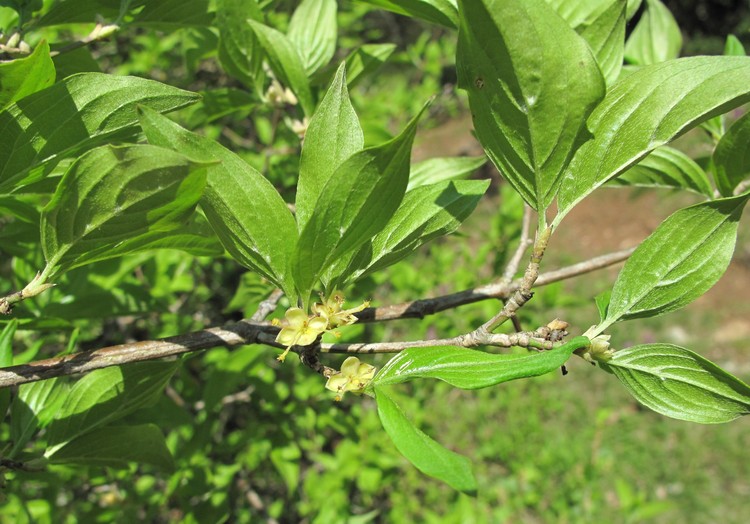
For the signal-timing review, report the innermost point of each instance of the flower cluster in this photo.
(354, 376)
(300, 329)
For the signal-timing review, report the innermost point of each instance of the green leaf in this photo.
(285, 62)
(633, 6)
(117, 447)
(532, 82)
(6, 343)
(114, 200)
(244, 209)
(731, 158)
(174, 14)
(436, 170)
(424, 453)
(195, 238)
(33, 408)
(441, 12)
(602, 24)
(733, 47)
(678, 383)
(426, 213)
(240, 52)
(334, 134)
(471, 369)
(24, 76)
(602, 303)
(656, 38)
(648, 109)
(6, 359)
(678, 262)
(312, 30)
(667, 167)
(84, 11)
(73, 62)
(365, 60)
(72, 116)
(354, 205)
(218, 103)
(106, 395)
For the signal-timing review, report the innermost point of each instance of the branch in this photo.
(231, 336)
(532, 340)
(254, 331)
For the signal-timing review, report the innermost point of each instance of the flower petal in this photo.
(296, 317)
(307, 337)
(287, 336)
(318, 324)
(350, 366)
(337, 382)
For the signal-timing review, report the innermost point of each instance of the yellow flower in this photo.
(331, 310)
(299, 329)
(354, 376)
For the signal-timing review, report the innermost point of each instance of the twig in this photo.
(526, 340)
(515, 261)
(268, 306)
(252, 332)
(100, 32)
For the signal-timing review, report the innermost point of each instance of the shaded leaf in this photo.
(33, 408)
(84, 11)
(667, 167)
(285, 62)
(680, 384)
(240, 52)
(441, 12)
(602, 24)
(117, 447)
(175, 14)
(365, 60)
(106, 395)
(731, 158)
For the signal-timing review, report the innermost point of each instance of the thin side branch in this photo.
(526, 340)
(515, 261)
(255, 331)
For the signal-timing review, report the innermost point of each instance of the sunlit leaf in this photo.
(678, 262)
(116, 200)
(72, 116)
(678, 383)
(472, 369)
(428, 456)
(532, 83)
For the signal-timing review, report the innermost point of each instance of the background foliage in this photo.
(253, 440)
